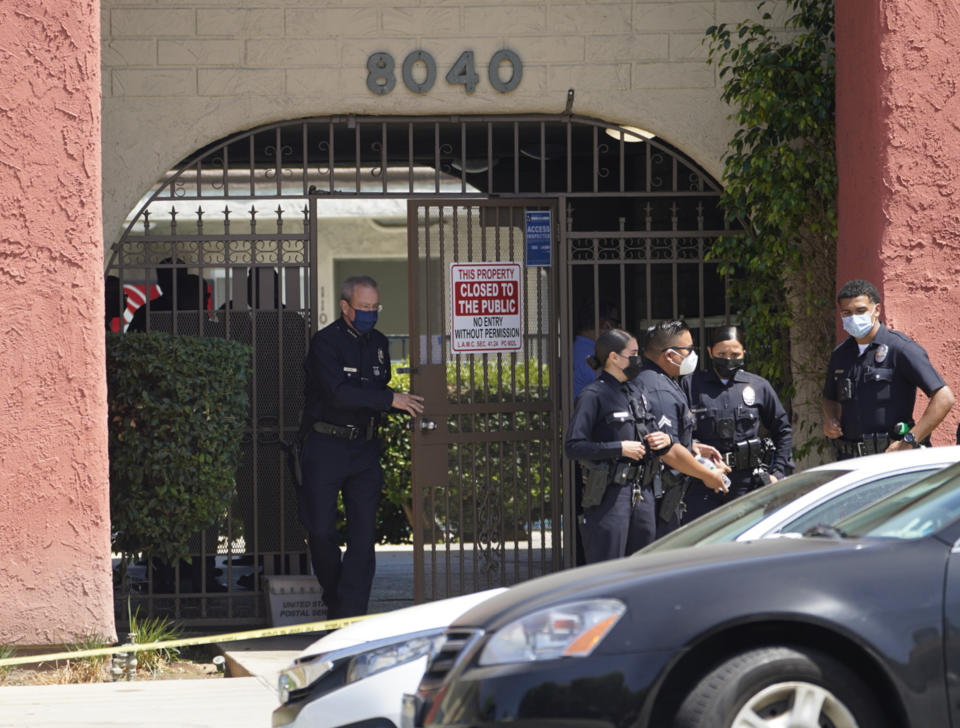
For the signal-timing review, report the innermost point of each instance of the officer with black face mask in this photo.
(731, 405)
(609, 435)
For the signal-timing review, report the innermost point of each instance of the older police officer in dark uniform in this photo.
(669, 353)
(606, 436)
(730, 406)
(347, 373)
(872, 380)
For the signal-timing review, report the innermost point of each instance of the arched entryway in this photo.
(250, 232)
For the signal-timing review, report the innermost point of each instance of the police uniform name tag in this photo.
(621, 415)
(749, 396)
(350, 370)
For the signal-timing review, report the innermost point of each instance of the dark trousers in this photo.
(332, 466)
(701, 500)
(618, 527)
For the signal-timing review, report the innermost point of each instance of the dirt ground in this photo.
(192, 665)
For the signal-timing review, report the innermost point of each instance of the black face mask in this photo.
(633, 368)
(726, 368)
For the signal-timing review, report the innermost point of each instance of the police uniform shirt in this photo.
(884, 381)
(602, 419)
(347, 375)
(667, 403)
(748, 401)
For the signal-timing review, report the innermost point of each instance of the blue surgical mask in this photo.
(364, 321)
(858, 325)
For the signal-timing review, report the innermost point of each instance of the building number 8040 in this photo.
(419, 72)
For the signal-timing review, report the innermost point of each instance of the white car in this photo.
(820, 495)
(359, 673)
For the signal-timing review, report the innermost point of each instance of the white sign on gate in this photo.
(486, 307)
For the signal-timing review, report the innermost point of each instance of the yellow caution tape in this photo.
(187, 641)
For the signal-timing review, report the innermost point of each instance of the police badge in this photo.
(749, 396)
(881, 353)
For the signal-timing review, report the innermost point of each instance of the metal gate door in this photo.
(487, 495)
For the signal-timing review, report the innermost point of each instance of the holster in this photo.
(674, 489)
(596, 476)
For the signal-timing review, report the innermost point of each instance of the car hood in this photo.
(420, 617)
(820, 577)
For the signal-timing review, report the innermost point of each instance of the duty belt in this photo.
(744, 455)
(348, 432)
(869, 445)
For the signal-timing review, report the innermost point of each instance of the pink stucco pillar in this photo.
(898, 155)
(55, 578)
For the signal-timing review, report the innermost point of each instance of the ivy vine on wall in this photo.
(779, 189)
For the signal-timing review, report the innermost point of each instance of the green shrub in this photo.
(177, 411)
(154, 629)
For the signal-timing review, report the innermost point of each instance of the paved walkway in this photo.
(245, 700)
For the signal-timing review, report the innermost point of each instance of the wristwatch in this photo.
(911, 439)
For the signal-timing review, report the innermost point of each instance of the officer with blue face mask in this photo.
(347, 376)
(872, 380)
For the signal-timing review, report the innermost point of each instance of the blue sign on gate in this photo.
(539, 234)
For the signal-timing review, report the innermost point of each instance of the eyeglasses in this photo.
(378, 307)
(680, 348)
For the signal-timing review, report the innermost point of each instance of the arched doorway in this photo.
(629, 220)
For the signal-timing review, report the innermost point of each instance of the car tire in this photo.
(762, 686)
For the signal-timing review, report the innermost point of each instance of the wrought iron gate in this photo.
(237, 225)
(486, 478)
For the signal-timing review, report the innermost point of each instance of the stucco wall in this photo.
(55, 535)
(177, 76)
(898, 132)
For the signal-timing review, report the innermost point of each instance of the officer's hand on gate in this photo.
(832, 429)
(632, 449)
(412, 403)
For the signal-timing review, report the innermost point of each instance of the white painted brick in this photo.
(329, 82)
(199, 52)
(693, 17)
(291, 53)
(511, 22)
(122, 53)
(331, 22)
(250, 23)
(535, 49)
(608, 77)
(648, 46)
(589, 18)
(688, 47)
(734, 12)
(417, 21)
(239, 82)
(673, 75)
(166, 82)
(149, 22)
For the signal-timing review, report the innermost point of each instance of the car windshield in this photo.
(914, 512)
(732, 519)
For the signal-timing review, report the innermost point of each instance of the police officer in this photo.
(872, 380)
(347, 373)
(606, 436)
(730, 406)
(669, 353)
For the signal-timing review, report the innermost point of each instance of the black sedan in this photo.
(855, 625)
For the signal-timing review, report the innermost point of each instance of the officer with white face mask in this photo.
(669, 353)
(872, 379)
